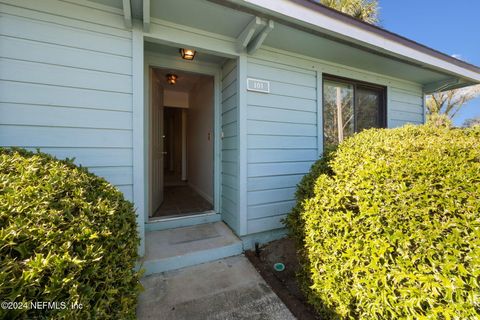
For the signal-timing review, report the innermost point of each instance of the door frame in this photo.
(154, 60)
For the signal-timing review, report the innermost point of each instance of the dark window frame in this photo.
(355, 83)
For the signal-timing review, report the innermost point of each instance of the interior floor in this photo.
(172, 178)
(182, 200)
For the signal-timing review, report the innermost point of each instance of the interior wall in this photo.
(200, 138)
(173, 98)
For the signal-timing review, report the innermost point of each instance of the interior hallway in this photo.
(181, 200)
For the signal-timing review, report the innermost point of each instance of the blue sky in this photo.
(452, 27)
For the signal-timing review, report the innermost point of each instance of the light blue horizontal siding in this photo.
(283, 134)
(230, 150)
(265, 224)
(270, 196)
(55, 54)
(35, 72)
(66, 85)
(46, 28)
(405, 105)
(281, 102)
(41, 115)
(281, 155)
(281, 128)
(42, 94)
(281, 140)
(278, 168)
(46, 136)
(266, 182)
(94, 157)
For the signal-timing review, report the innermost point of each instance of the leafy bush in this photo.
(394, 231)
(66, 236)
(305, 190)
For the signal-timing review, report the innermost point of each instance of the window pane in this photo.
(367, 108)
(337, 112)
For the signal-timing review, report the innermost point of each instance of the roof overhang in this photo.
(301, 27)
(309, 16)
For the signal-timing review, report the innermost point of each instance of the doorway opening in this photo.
(181, 144)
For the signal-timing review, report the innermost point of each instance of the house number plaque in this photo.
(258, 85)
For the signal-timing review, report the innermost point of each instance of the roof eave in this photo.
(307, 14)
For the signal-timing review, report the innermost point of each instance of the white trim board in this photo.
(163, 61)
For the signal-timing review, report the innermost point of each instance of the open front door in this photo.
(156, 138)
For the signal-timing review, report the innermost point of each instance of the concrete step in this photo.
(173, 249)
(156, 224)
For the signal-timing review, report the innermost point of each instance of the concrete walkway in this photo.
(229, 288)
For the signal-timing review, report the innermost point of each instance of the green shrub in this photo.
(66, 236)
(305, 191)
(394, 231)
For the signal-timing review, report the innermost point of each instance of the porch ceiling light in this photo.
(172, 78)
(187, 54)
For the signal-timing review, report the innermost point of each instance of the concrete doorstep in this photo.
(229, 288)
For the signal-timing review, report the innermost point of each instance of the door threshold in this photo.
(181, 216)
(187, 220)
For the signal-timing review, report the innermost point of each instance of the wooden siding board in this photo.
(401, 96)
(116, 175)
(229, 204)
(34, 51)
(281, 128)
(282, 140)
(230, 79)
(230, 143)
(31, 136)
(278, 168)
(230, 155)
(66, 87)
(265, 224)
(127, 191)
(33, 72)
(229, 180)
(270, 209)
(292, 90)
(229, 193)
(275, 74)
(68, 13)
(229, 91)
(267, 182)
(69, 36)
(395, 123)
(42, 94)
(406, 107)
(229, 103)
(284, 134)
(230, 168)
(94, 157)
(281, 102)
(230, 130)
(406, 116)
(280, 115)
(280, 155)
(281, 64)
(229, 116)
(40, 115)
